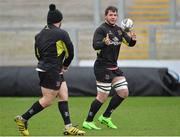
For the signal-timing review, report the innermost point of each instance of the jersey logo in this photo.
(115, 41)
(107, 77)
(119, 32)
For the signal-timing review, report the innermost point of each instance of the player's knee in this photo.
(102, 99)
(123, 93)
(121, 88)
(46, 102)
(103, 91)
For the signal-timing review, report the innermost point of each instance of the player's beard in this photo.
(108, 22)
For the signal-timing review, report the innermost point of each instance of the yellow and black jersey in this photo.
(53, 48)
(107, 55)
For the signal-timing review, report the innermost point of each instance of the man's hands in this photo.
(107, 40)
(132, 35)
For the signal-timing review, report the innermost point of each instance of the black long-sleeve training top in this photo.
(107, 55)
(53, 48)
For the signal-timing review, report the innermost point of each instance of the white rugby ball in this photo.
(127, 24)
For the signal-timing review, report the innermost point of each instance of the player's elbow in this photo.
(97, 47)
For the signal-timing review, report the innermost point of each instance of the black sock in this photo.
(95, 106)
(64, 110)
(113, 104)
(35, 108)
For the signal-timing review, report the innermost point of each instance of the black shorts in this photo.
(51, 79)
(105, 75)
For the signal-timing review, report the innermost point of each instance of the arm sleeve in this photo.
(69, 51)
(98, 39)
(36, 50)
(128, 40)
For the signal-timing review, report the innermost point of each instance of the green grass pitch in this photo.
(137, 116)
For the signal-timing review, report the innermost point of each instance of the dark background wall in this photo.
(23, 81)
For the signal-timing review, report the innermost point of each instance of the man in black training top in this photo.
(54, 51)
(107, 42)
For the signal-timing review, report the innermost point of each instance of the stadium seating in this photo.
(21, 20)
(145, 13)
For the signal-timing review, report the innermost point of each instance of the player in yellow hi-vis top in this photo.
(54, 51)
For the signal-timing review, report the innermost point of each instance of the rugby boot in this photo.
(22, 125)
(90, 125)
(107, 121)
(72, 130)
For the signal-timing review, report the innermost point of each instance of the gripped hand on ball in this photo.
(132, 35)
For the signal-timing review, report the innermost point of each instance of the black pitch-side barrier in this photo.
(24, 81)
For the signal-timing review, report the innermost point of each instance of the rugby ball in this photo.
(127, 24)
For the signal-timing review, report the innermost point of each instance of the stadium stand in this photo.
(21, 19)
(145, 13)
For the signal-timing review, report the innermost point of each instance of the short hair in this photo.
(110, 8)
